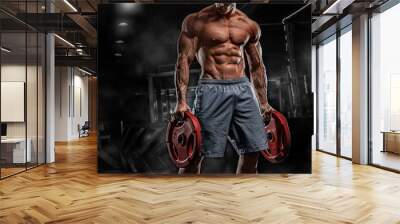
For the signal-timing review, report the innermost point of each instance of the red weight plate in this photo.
(279, 138)
(183, 139)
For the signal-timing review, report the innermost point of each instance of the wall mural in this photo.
(219, 88)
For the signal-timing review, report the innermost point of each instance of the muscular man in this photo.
(219, 36)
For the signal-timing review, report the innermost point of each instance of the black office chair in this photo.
(84, 130)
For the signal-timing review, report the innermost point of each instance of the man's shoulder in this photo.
(188, 24)
(193, 22)
(253, 25)
(198, 16)
(206, 12)
(191, 18)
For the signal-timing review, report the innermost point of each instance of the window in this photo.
(327, 96)
(22, 88)
(385, 88)
(334, 109)
(346, 74)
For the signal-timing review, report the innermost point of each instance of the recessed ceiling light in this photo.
(337, 7)
(123, 24)
(65, 41)
(117, 54)
(79, 50)
(5, 50)
(119, 42)
(70, 5)
(84, 71)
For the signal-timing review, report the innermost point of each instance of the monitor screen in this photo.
(3, 129)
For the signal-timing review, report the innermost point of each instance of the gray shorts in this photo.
(229, 108)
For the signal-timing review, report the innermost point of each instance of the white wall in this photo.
(61, 103)
(71, 102)
(33, 126)
(16, 73)
(80, 110)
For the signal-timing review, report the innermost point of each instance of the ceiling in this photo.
(76, 22)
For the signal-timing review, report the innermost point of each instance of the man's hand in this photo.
(266, 111)
(181, 108)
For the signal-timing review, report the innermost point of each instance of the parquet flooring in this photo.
(10, 171)
(71, 191)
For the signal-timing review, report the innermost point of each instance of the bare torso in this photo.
(220, 41)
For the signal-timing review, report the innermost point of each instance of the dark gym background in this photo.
(137, 55)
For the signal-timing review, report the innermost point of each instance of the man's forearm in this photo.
(182, 78)
(260, 84)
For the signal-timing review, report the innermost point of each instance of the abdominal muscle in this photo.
(222, 62)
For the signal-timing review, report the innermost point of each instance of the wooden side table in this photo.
(391, 141)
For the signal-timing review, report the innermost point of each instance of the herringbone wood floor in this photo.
(71, 191)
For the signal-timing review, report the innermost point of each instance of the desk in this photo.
(13, 150)
(391, 141)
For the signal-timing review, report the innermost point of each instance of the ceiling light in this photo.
(337, 7)
(79, 50)
(118, 54)
(123, 24)
(70, 5)
(119, 42)
(127, 7)
(5, 50)
(65, 41)
(84, 71)
(43, 7)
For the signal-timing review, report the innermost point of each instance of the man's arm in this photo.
(257, 70)
(186, 55)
